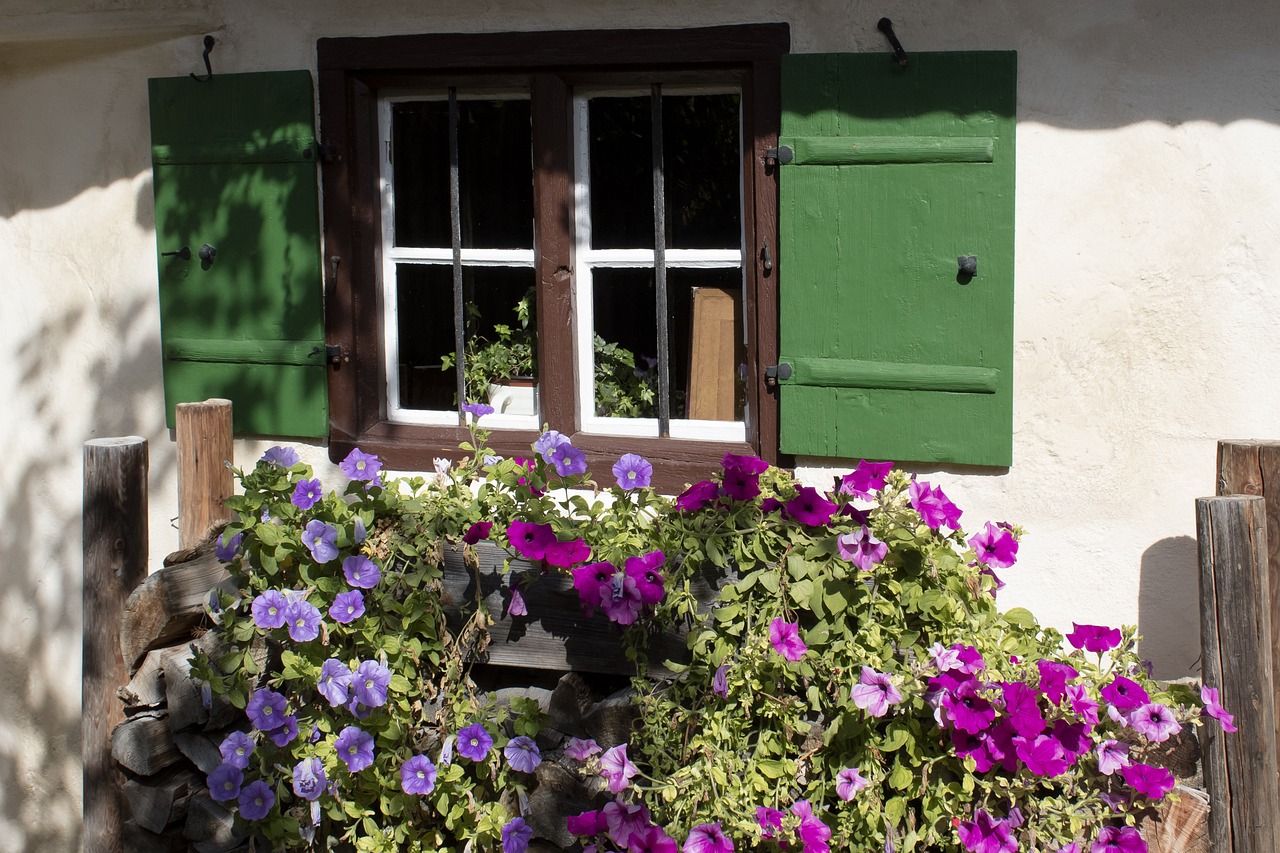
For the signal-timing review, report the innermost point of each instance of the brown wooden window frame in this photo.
(352, 72)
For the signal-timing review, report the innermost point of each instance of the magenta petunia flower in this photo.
(224, 782)
(697, 496)
(286, 734)
(707, 838)
(303, 619)
(1125, 694)
(874, 692)
(370, 683)
(334, 683)
(306, 494)
(418, 776)
(268, 609)
(566, 554)
(644, 571)
(741, 481)
(347, 607)
(235, 749)
(309, 779)
(995, 547)
(1113, 755)
(1081, 704)
(770, 821)
(865, 480)
(810, 508)
(624, 820)
(633, 472)
(1074, 737)
(1119, 839)
(530, 540)
(1022, 708)
(812, 833)
(617, 768)
(581, 750)
(1043, 755)
(785, 638)
(1053, 679)
(321, 540)
(944, 659)
(265, 709)
(280, 456)
(516, 835)
(861, 548)
(590, 581)
(1094, 638)
(360, 465)
(750, 464)
(720, 681)
(355, 747)
(985, 835)
(967, 709)
(477, 410)
(476, 532)
(567, 459)
(361, 572)
(522, 754)
(587, 823)
(474, 742)
(1154, 782)
(849, 782)
(934, 507)
(621, 600)
(256, 800)
(970, 659)
(1155, 722)
(1209, 696)
(651, 839)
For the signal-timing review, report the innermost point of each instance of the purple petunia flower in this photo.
(633, 472)
(566, 554)
(590, 580)
(547, 442)
(522, 754)
(874, 692)
(985, 835)
(1146, 779)
(1118, 839)
(474, 742)
(624, 820)
(587, 823)
(1209, 696)
(720, 681)
(370, 683)
(651, 839)
(865, 480)
(567, 459)
(256, 800)
(1094, 638)
(812, 833)
(968, 710)
(861, 548)
(361, 572)
(285, 735)
(581, 750)
(268, 609)
(1113, 755)
(265, 709)
(708, 838)
(309, 779)
(530, 540)
(621, 599)
(476, 532)
(995, 547)
(741, 481)
(321, 540)
(1054, 677)
(224, 782)
(1155, 722)
(418, 776)
(617, 768)
(770, 821)
(226, 550)
(1074, 738)
(355, 747)
(697, 496)
(477, 410)
(1022, 708)
(517, 607)
(849, 782)
(303, 620)
(644, 571)
(516, 835)
(810, 508)
(1043, 755)
(360, 466)
(335, 682)
(283, 457)
(306, 494)
(347, 606)
(235, 749)
(1081, 704)
(1125, 694)
(934, 507)
(785, 638)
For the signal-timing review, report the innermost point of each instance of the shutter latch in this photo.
(780, 156)
(774, 372)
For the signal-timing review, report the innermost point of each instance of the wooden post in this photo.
(1235, 634)
(203, 432)
(115, 561)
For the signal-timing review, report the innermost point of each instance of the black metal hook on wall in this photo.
(208, 71)
(886, 26)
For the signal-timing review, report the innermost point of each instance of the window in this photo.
(608, 189)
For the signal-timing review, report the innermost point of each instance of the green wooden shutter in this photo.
(897, 173)
(235, 168)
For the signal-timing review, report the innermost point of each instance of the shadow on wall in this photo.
(1169, 607)
(40, 719)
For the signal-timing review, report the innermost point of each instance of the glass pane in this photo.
(621, 159)
(702, 171)
(626, 344)
(495, 173)
(500, 319)
(708, 354)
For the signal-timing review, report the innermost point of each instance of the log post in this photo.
(114, 541)
(1235, 634)
(203, 432)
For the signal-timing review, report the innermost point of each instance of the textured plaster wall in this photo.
(1147, 205)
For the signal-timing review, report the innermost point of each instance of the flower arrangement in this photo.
(854, 686)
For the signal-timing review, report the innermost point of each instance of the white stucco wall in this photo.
(1147, 207)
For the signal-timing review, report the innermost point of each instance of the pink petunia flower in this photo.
(1094, 638)
(708, 838)
(934, 507)
(1118, 839)
(874, 692)
(865, 480)
(986, 835)
(1209, 696)
(861, 548)
(849, 782)
(1155, 722)
(785, 637)
(1113, 755)
(995, 547)
(617, 768)
(1146, 779)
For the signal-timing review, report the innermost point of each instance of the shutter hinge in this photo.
(774, 372)
(780, 156)
(334, 354)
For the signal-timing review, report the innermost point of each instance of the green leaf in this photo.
(267, 533)
(900, 778)
(1021, 617)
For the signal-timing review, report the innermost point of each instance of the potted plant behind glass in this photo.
(501, 370)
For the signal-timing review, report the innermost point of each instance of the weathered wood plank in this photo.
(200, 749)
(115, 561)
(210, 826)
(159, 801)
(1236, 643)
(168, 605)
(144, 743)
(203, 433)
